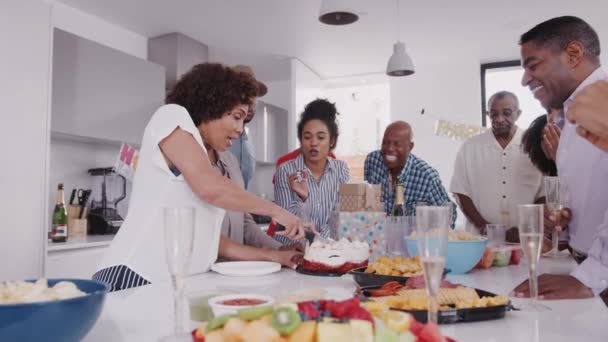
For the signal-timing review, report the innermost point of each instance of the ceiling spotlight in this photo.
(337, 12)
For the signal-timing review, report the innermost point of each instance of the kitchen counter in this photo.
(145, 313)
(88, 242)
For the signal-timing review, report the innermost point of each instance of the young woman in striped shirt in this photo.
(308, 185)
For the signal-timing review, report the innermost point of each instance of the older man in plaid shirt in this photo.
(394, 163)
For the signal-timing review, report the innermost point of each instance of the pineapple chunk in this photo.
(363, 331)
(304, 333)
(215, 336)
(334, 332)
(258, 331)
(234, 327)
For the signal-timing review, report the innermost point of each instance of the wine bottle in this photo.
(399, 204)
(59, 233)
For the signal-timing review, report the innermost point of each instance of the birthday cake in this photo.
(335, 256)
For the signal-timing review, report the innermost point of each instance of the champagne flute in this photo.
(179, 242)
(432, 225)
(531, 236)
(554, 199)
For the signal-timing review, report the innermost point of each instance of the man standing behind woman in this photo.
(308, 185)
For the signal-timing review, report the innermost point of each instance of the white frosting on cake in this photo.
(338, 252)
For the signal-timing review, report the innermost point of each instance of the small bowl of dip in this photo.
(232, 303)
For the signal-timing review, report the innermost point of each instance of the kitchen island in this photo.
(145, 314)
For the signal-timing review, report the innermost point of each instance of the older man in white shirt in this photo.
(560, 57)
(492, 174)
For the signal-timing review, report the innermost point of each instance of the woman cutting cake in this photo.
(179, 167)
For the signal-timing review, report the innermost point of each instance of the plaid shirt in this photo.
(421, 183)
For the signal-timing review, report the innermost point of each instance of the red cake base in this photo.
(319, 267)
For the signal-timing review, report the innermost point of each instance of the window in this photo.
(507, 76)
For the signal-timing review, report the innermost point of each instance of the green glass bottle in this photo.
(59, 233)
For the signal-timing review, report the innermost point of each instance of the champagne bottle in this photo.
(59, 232)
(399, 204)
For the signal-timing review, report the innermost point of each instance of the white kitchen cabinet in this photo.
(102, 93)
(76, 259)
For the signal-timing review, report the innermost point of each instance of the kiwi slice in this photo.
(285, 320)
(250, 314)
(218, 322)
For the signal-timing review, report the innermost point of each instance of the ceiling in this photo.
(433, 30)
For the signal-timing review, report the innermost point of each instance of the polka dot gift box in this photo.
(368, 226)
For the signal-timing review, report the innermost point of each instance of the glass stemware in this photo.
(432, 225)
(531, 236)
(179, 242)
(554, 199)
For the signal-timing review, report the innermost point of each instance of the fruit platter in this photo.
(457, 303)
(318, 321)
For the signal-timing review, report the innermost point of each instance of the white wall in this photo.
(25, 66)
(306, 86)
(70, 161)
(98, 30)
(449, 90)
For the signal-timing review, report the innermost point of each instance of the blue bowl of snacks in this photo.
(60, 310)
(464, 250)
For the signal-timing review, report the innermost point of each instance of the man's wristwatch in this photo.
(604, 296)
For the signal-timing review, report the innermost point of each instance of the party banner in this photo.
(457, 131)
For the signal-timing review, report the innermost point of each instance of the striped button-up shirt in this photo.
(421, 183)
(323, 196)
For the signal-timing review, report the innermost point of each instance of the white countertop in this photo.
(89, 241)
(145, 314)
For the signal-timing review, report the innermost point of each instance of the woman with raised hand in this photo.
(308, 185)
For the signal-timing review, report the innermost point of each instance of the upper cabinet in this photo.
(102, 93)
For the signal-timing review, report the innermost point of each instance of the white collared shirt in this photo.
(583, 168)
(496, 179)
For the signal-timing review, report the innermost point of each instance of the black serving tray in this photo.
(368, 279)
(457, 315)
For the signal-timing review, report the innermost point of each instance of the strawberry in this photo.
(323, 304)
(360, 313)
(309, 310)
(341, 309)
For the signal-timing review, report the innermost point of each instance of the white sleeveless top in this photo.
(139, 243)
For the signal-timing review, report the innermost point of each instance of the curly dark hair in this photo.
(321, 109)
(558, 32)
(209, 90)
(531, 144)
